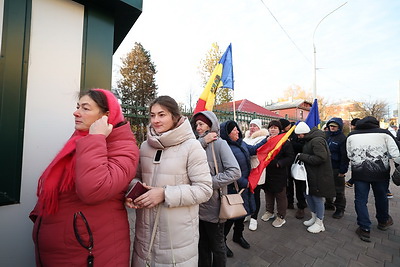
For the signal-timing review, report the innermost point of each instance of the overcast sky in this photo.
(357, 46)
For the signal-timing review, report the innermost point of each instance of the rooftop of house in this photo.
(289, 104)
(246, 106)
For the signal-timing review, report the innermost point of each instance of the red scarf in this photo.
(59, 176)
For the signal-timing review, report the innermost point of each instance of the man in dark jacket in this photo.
(340, 164)
(369, 148)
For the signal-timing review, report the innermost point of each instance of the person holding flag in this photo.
(276, 178)
(254, 135)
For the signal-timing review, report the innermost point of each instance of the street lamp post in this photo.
(315, 53)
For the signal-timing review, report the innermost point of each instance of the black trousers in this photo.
(340, 199)
(237, 229)
(212, 251)
(300, 191)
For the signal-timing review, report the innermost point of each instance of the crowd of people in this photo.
(185, 166)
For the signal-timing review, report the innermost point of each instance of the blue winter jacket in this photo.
(242, 153)
(337, 146)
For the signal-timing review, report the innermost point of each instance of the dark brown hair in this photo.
(101, 100)
(98, 97)
(170, 104)
(275, 123)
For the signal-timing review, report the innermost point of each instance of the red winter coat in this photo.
(104, 168)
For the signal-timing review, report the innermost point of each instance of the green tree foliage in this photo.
(207, 67)
(137, 85)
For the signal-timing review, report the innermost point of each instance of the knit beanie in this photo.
(284, 123)
(203, 118)
(256, 122)
(302, 128)
(229, 126)
(275, 123)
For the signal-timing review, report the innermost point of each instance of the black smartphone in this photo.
(157, 156)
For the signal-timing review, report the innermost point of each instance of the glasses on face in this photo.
(333, 126)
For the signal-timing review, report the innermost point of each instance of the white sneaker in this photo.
(317, 227)
(267, 216)
(310, 221)
(253, 224)
(278, 222)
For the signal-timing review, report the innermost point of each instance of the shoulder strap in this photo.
(214, 158)
(153, 235)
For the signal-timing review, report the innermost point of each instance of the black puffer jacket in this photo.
(276, 177)
(317, 160)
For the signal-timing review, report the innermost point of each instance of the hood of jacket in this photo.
(314, 132)
(262, 132)
(211, 116)
(178, 135)
(368, 122)
(339, 121)
(225, 135)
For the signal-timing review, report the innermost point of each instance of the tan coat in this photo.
(183, 171)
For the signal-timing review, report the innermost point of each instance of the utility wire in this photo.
(270, 12)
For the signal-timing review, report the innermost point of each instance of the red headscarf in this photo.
(60, 174)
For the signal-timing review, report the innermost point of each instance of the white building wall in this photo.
(53, 83)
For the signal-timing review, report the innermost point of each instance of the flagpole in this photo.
(234, 106)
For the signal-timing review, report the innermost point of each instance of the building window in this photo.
(13, 74)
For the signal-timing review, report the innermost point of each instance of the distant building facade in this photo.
(291, 110)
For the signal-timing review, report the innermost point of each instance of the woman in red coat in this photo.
(80, 217)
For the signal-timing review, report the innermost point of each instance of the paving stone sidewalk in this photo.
(292, 245)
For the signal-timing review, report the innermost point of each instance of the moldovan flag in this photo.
(312, 119)
(221, 77)
(265, 154)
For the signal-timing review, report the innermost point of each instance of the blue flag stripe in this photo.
(227, 69)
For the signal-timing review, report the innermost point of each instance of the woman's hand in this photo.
(101, 126)
(129, 203)
(210, 137)
(151, 198)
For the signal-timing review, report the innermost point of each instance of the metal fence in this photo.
(139, 119)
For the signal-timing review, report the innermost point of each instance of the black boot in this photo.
(338, 214)
(242, 242)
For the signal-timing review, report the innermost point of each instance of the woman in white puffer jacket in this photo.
(173, 166)
(253, 136)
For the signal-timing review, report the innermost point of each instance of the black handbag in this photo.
(396, 176)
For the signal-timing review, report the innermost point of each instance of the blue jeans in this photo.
(316, 205)
(361, 191)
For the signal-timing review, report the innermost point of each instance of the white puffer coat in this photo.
(254, 139)
(184, 173)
